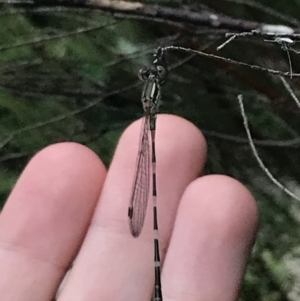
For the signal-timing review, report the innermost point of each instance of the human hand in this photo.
(61, 207)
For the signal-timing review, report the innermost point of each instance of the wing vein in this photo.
(141, 186)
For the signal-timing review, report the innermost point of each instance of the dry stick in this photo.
(226, 42)
(285, 42)
(252, 33)
(231, 38)
(283, 39)
(256, 155)
(231, 61)
(294, 50)
(142, 10)
(154, 12)
(291, 92)
(290, 61)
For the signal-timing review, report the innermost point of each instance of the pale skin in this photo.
(65, 203)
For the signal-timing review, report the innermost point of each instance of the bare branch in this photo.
(277, 31)
(291, 92)
(282, 35)
(226, 42)
(231, 61)
(139, 10)
(256, 155)
(289, 60)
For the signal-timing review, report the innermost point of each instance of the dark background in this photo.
(69, 73)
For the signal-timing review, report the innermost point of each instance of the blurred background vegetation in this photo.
(70, 74)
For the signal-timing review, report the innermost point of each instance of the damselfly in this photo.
(152, 77)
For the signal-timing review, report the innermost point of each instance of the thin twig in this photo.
(231, 61)
(256, 155)
(291, 92)
(290, 61)
(226, 42)
(253, 33)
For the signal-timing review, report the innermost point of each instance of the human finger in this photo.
(45, 219)
(214, 232)
(112, 264)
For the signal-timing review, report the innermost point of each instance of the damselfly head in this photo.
(157, 72)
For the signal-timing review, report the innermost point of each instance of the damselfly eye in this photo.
(161, 72)
(143, 73)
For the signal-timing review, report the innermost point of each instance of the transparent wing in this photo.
(141, 186)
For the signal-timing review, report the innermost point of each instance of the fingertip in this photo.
(171, 130)
(57, 166)
(214, 232)
(227, 203)
(46, 218)
(77, 154)
(57, 190)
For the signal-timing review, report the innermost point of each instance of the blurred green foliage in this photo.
(54, 90)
